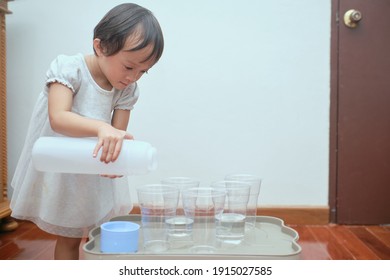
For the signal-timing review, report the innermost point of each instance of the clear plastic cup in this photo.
(255, 182)
(158, 203)
(203, 205)
(180, 226)
(230, 225)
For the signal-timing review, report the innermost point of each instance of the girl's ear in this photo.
(97, 47)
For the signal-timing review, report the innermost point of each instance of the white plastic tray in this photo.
(270, 239)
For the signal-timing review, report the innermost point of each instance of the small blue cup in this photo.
(119, 237)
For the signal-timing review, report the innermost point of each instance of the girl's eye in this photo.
(131, 68)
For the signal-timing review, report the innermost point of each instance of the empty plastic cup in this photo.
(158, 203)
(203, 205)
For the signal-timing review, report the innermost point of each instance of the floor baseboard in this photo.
(289, 214)
(298, 215)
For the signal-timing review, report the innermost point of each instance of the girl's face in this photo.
(123, 68)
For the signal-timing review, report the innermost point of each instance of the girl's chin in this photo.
(120, 86)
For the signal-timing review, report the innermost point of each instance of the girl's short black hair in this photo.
(125, 20)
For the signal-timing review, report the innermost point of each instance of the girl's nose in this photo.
(133, 76)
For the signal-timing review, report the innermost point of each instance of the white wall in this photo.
(241, 87)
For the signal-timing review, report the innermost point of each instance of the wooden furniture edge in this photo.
(7, 223)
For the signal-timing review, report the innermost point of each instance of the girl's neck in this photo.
(96, 72)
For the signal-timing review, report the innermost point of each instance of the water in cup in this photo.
(255, 183)
(180, 226)
(230, 225)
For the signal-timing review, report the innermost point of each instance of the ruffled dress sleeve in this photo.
(66, 71)
(125, 99)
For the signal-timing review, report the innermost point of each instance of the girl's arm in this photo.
(64, 121)
(120, 119)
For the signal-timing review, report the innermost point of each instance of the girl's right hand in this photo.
(110, 141)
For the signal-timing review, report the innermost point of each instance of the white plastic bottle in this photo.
(74, 155)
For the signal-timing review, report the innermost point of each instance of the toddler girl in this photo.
(87, 96)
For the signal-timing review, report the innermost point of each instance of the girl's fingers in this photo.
(128, 136)
(110, 150)
(118, 148)
(110, 147)
(105, 148)
(97, 148)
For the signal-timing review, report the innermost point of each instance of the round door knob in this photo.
(352, 17)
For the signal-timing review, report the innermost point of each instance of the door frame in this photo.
(334, 95)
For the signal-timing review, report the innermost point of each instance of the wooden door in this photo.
(360, 114)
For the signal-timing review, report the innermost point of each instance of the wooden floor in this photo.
(318, 242)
